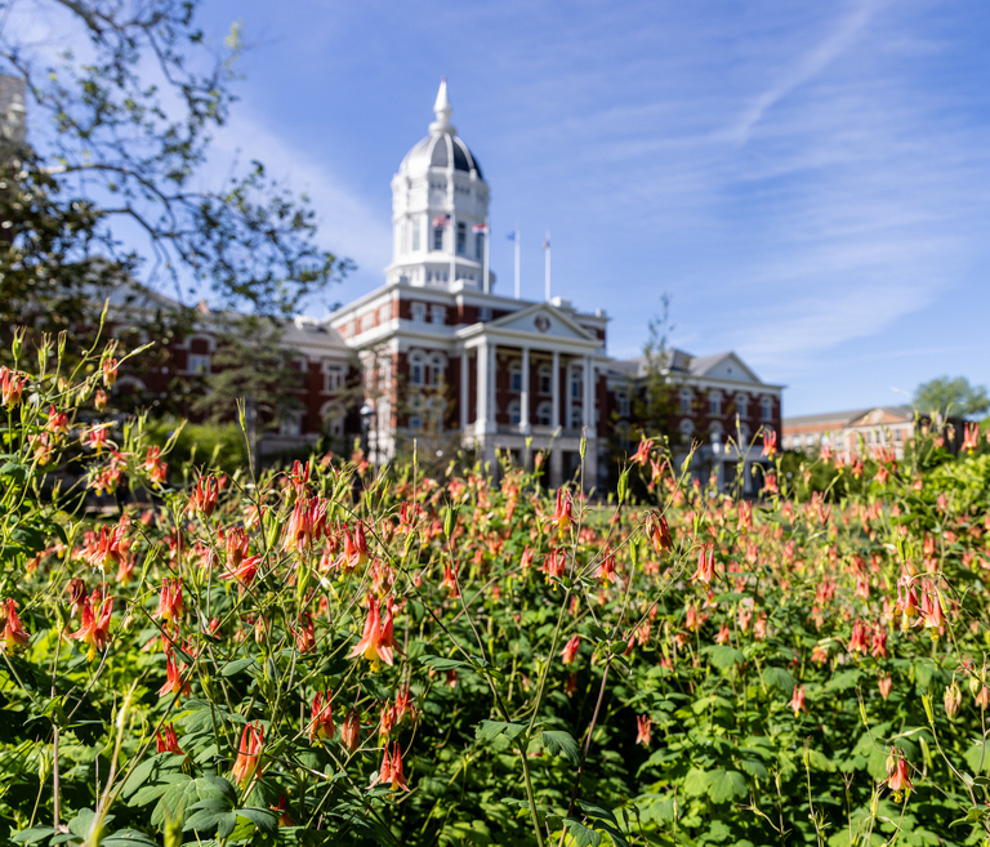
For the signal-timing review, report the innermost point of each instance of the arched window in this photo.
(333, 415)
(686, 401)
(515, 376)
(515, 413)
(715, 402)
(576, 379)
(417, 362)
(766, 408)
(687, 430)
(544, 413)
(546, 380)
(438, 365)
(742, 405)
(415, 412)
(715, 432)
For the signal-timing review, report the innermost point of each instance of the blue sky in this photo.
(810, 182)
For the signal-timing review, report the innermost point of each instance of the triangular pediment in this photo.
(883, 416)
(543, 320)
(724, 366)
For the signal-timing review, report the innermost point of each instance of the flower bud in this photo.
(953, 700)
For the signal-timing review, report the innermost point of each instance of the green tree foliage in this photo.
(946, 396)
(112, 182)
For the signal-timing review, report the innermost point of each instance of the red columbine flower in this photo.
(306, 637)
(570, 649)
(109, 371)
(931, 607)
(11, 387)
(355, 548)
(95, 627)
(885, 683)
(642, 454)
(321, 717)
(554, 564)
(246, 763)
(706, 564)
(170, 606)
(173, 678)
(769, 443)
(644, 730)
(563, 515)
(58, 422)
(168, 743)
(14, 635)
(797, 699)
(156, 469)
(449, 581)
(659, 532)
(350, 731)
(204, 496)
(306, 524)
(897, 772)
(376, 640)
(245, 572)
(391, 770)
(971, 437)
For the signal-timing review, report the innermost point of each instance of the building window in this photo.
(484, 313)
(334, 378)
(415, 235)
(742, 407)
(687, 430)
(515, 413)
(438, 238)
(461, 239)
(715, 433)
(546, 379)
(416, 368)
(437, 365)
(622, 403)
(576, 416)
(766, 408)
(576, 374)
(291, 423)
(479, 246)
(515, 376)
(199, 363)
(438, 314)
(686, 401)
(415, 412)
(715, 403)
(419, 312)
(544, 413)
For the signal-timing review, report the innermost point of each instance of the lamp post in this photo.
(367, 413)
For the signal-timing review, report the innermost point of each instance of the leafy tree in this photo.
(112, 184)
(945, 396)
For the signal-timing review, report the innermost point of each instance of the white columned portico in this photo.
(524, 426)
(555, 391)
(465, 389)
(481, 393)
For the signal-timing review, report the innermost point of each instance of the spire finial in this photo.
(443, 110)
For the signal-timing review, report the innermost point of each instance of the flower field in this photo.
(323, 655)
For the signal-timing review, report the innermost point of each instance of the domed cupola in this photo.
(440, 210)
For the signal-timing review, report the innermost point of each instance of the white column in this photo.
(588, 395)
(481, 412)
(524, 393)
(492, 387)
(465, 390)
(555, 391)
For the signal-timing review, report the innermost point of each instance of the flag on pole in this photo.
(511, 236)
(546, 243)
(479, 228)
(440, 221)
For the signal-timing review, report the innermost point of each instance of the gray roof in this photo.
(846, 417)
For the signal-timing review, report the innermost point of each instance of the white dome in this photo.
(441, 148)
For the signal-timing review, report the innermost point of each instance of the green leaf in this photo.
(264, 819)
(236, 666)
(33, 835)
(780, 679)
(724, 785)
(723, 656)
(441, 663)
(561, 743)
(489, 730)
(583, 836)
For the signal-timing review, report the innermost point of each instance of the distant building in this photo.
(851, 433)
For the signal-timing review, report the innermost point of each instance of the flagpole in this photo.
(516, 239)
(546, 273)
(453, 230)
(486, 287)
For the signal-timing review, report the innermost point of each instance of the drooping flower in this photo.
(321, 717)
(449, 580)
(952, 700)
(391, 770)
(563, 515)
(95, 627)
(169, 742)
(885, 683)
(706, 564)
(11, 387)
(644, 730)
(355, 548)
(658, 532)
(170, 606)
(109, 366)
(248, 754)
(769, 443)
(797, 699)
(376, 641)
(204, 496)
(570, 649)
(642, 454)
(350, 731)
(897, 772)
(173, 678)
(14, 635)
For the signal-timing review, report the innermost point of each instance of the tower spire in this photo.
(443, 110)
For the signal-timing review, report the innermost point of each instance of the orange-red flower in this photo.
(350, 731)
(706, 564)
(563, 515)
(897, 772)
(14, 635)
(248, 754)
(570, 649)
(173, 678)
(170, 606)
(376, 640)
(168, 743)
(95, 627)
(644, 730)
(11, 387)
(659, 532)
(321, 717)
(391, 770)
(642, 454)
(797, 699)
